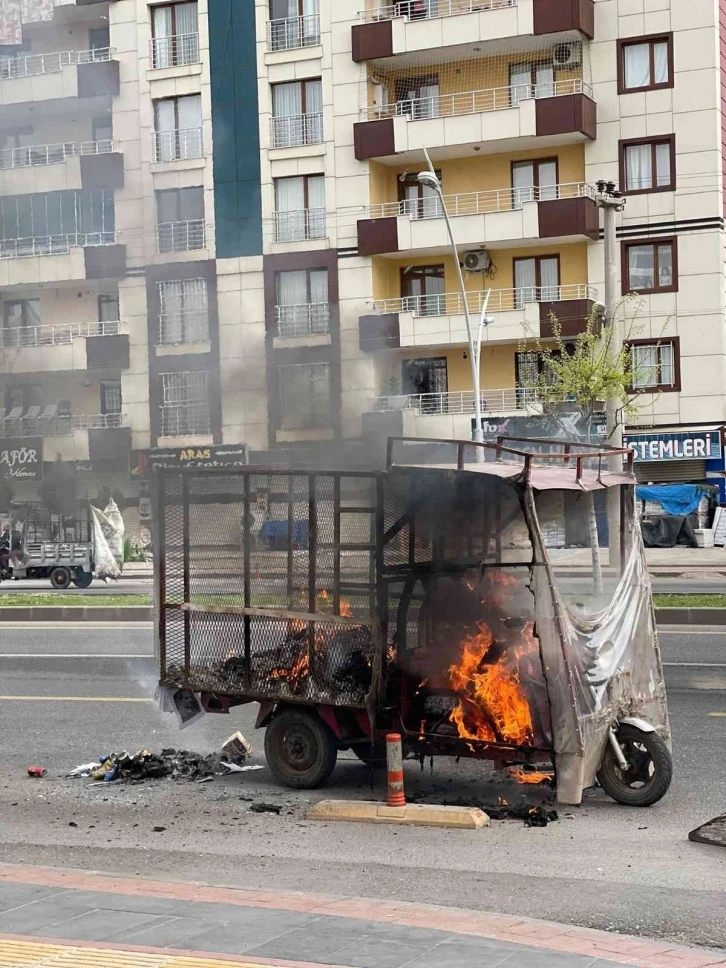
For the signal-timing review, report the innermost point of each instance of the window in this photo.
(86, 216)
(175, 33)
(645, 63)
(18, 400)
(21, 317)
(302, 306)
(111, 400)
(417, 97)
(108, 311)
(531, 80)
(184, 314)
(419, 201)
(655, 365)
(99, 38)
(536, 280)
(648, 166)
(304, 396)
(429, 378)
(180, 219)
(300, 208)
(297, 113)
(534, 181)
(650, 266)
(294, 23)
(102, 128)
(422, 290)
(178, 128)
(184, 404)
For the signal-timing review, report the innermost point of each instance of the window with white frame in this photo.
(297, 113)
(184, 312)
(653, 365)
(304, 396)
(301, 306)
(184, 404)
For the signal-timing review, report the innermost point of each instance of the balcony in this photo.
(307, 322)
(293, 32)
(180, 236)
(439, 320)
(59, 258)
(445, 415)
(83, 74)
(494, 119)
(411, 25)
(35, 155)
(47, 422)
(300, 226)
(181, 144)
(179, 50)
(71, 165)
(73, 346)
(503, 217)
(296, 131)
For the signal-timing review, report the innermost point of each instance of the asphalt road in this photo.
(70, 694)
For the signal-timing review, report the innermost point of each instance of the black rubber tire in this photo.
(83, 579)
(60, 578)
(300, 749)
(615, 785)
(374, 756)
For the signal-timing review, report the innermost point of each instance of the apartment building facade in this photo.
(214, 244)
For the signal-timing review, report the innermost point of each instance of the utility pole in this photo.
(611, 202)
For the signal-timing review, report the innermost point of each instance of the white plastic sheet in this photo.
(105, 564)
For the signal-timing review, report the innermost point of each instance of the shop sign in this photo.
(21, 458)
(686, 445)
(174, 458)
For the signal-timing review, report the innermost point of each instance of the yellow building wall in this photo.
(480, 174)
(573, 269)
(497, 370)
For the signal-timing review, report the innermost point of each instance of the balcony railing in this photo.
(180, 236)
(30, 65)
(58, 425)
(292, 132)
(174, 51)
(32, 155)
(59, 335)
(185, 419)
(294, 32)
(473, 102)
(500, 300)
(299, 226)
(178, 145)
(428, 9)
(479, 203)
(461, 401)
(309, 319)
(52, 244)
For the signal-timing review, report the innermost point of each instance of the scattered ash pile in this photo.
(144, 765)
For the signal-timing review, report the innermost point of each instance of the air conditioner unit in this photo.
(477, 261)
(567, 55)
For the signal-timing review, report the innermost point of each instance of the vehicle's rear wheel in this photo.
(300, 749)
(83, 579)
(649, 773)
(60, 578)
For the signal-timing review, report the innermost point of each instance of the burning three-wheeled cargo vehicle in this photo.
(424, 599)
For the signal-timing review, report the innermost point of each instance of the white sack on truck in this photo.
(106, 564)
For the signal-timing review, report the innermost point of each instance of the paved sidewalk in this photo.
(50, 916)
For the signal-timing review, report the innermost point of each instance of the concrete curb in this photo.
(417, 814)
(145, 613)
(75, 613)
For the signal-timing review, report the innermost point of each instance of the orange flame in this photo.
(528, 776)
(493, 705)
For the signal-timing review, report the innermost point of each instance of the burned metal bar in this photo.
(186, 575)
(247, 577)
(336, 544)
(160, 568)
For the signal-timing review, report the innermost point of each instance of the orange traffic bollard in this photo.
(394, 762)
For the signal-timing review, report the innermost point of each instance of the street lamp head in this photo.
(428, 178)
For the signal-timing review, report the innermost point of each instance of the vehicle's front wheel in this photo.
(60, 578)
(83, 579)
(300, 749)
(649, 773)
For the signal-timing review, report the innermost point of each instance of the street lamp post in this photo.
(430, 179)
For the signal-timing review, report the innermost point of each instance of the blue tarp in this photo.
(680, 499)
